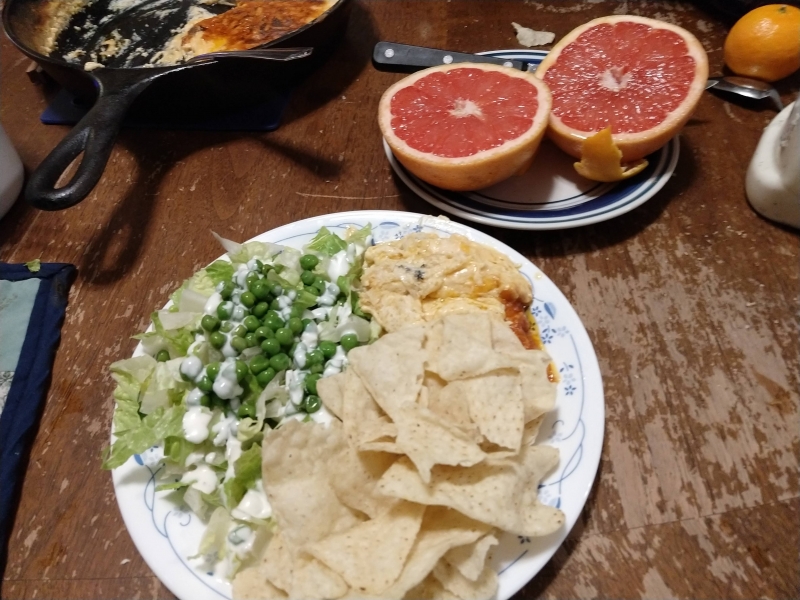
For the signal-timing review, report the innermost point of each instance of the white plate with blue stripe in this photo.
(551, 194)
(167, 534)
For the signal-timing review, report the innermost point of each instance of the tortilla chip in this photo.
(312, 579)
(371, 555)
(495, 406)
(483, 588)
(295, 472)
(376, 429)
(429, 589)
(451, 404)
(441, 530)
(531, 431)
(538, 392)
(392, 368)
(354, 476)
(466, 349)
(331, 391)
(278, 561)
(471, 558)
(250, 584)
(501, 493)
(503, 339)
(359, 409)
(428, 440)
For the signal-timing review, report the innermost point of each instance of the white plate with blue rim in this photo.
(167, 534)
(551, 194)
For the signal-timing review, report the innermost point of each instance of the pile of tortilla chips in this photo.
(431, 458)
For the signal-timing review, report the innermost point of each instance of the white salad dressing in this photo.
(191, 367)
(337, 362)
(195, 424)
(202, 478)
(254, 504)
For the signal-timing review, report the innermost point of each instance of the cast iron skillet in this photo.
(190, 88)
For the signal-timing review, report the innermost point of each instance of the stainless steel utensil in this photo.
(744, 86)
(279, 54)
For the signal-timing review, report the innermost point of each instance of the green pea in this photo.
(280, 362)
(273, 321)
(276, 289)
(248, 299)
(285, 336)
(297, 311)
(239, 344)
(241, 370)
(246, 409)
(310, 382)
(311, 290)
(265, 268)
(209, 323)
(316, 369)
(307, 277)
(224, 310)
(217, 402)
(205, 401)
(260, 309)
(295, 324)
(349, 341)
(309, 261)
(320, 284)
(258, 364)
(264, 332)
(271, 346)
(240, 331)
(259, 265)
(251, 278)
(162, 355)
(315, 357)
(227, 290)
(305, 322)
(212, 370)
(217, 340)
(274, 304)
(226, 327)
(251, 323)
(328, 348)
(260, 289)
(265, 377)
(205, 384)
(311, 404)
(252, 340)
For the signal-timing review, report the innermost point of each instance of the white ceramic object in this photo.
(773, 178)
(166, 534)
(11, 173)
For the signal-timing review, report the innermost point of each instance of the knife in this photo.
(388, 56)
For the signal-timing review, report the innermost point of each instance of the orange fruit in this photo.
(640, 77)
(765, 43)
(465, 126)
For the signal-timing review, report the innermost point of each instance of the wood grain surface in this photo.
(691, 301)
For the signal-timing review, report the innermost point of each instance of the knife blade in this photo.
(389, 56)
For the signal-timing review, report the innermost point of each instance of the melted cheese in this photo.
(423, 277)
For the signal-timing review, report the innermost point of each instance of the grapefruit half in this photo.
(639, 76)
(465, 126)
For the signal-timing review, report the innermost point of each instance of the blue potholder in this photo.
(32, 306)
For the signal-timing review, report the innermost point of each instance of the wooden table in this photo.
(691, 301)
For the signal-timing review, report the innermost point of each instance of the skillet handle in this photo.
(94, 135)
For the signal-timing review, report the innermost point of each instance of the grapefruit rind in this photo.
(601, 160)
(479, 170)
(633, 146)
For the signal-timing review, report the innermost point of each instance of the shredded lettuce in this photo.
(327, 243)
(258, 250)
(151, 430)
(247, 469)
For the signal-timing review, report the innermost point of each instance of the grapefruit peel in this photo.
(601, 159)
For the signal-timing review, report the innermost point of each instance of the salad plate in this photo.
(551, 194)
(168, 534)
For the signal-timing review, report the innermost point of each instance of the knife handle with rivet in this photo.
(388, 56)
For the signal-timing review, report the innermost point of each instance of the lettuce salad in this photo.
(239, 350)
